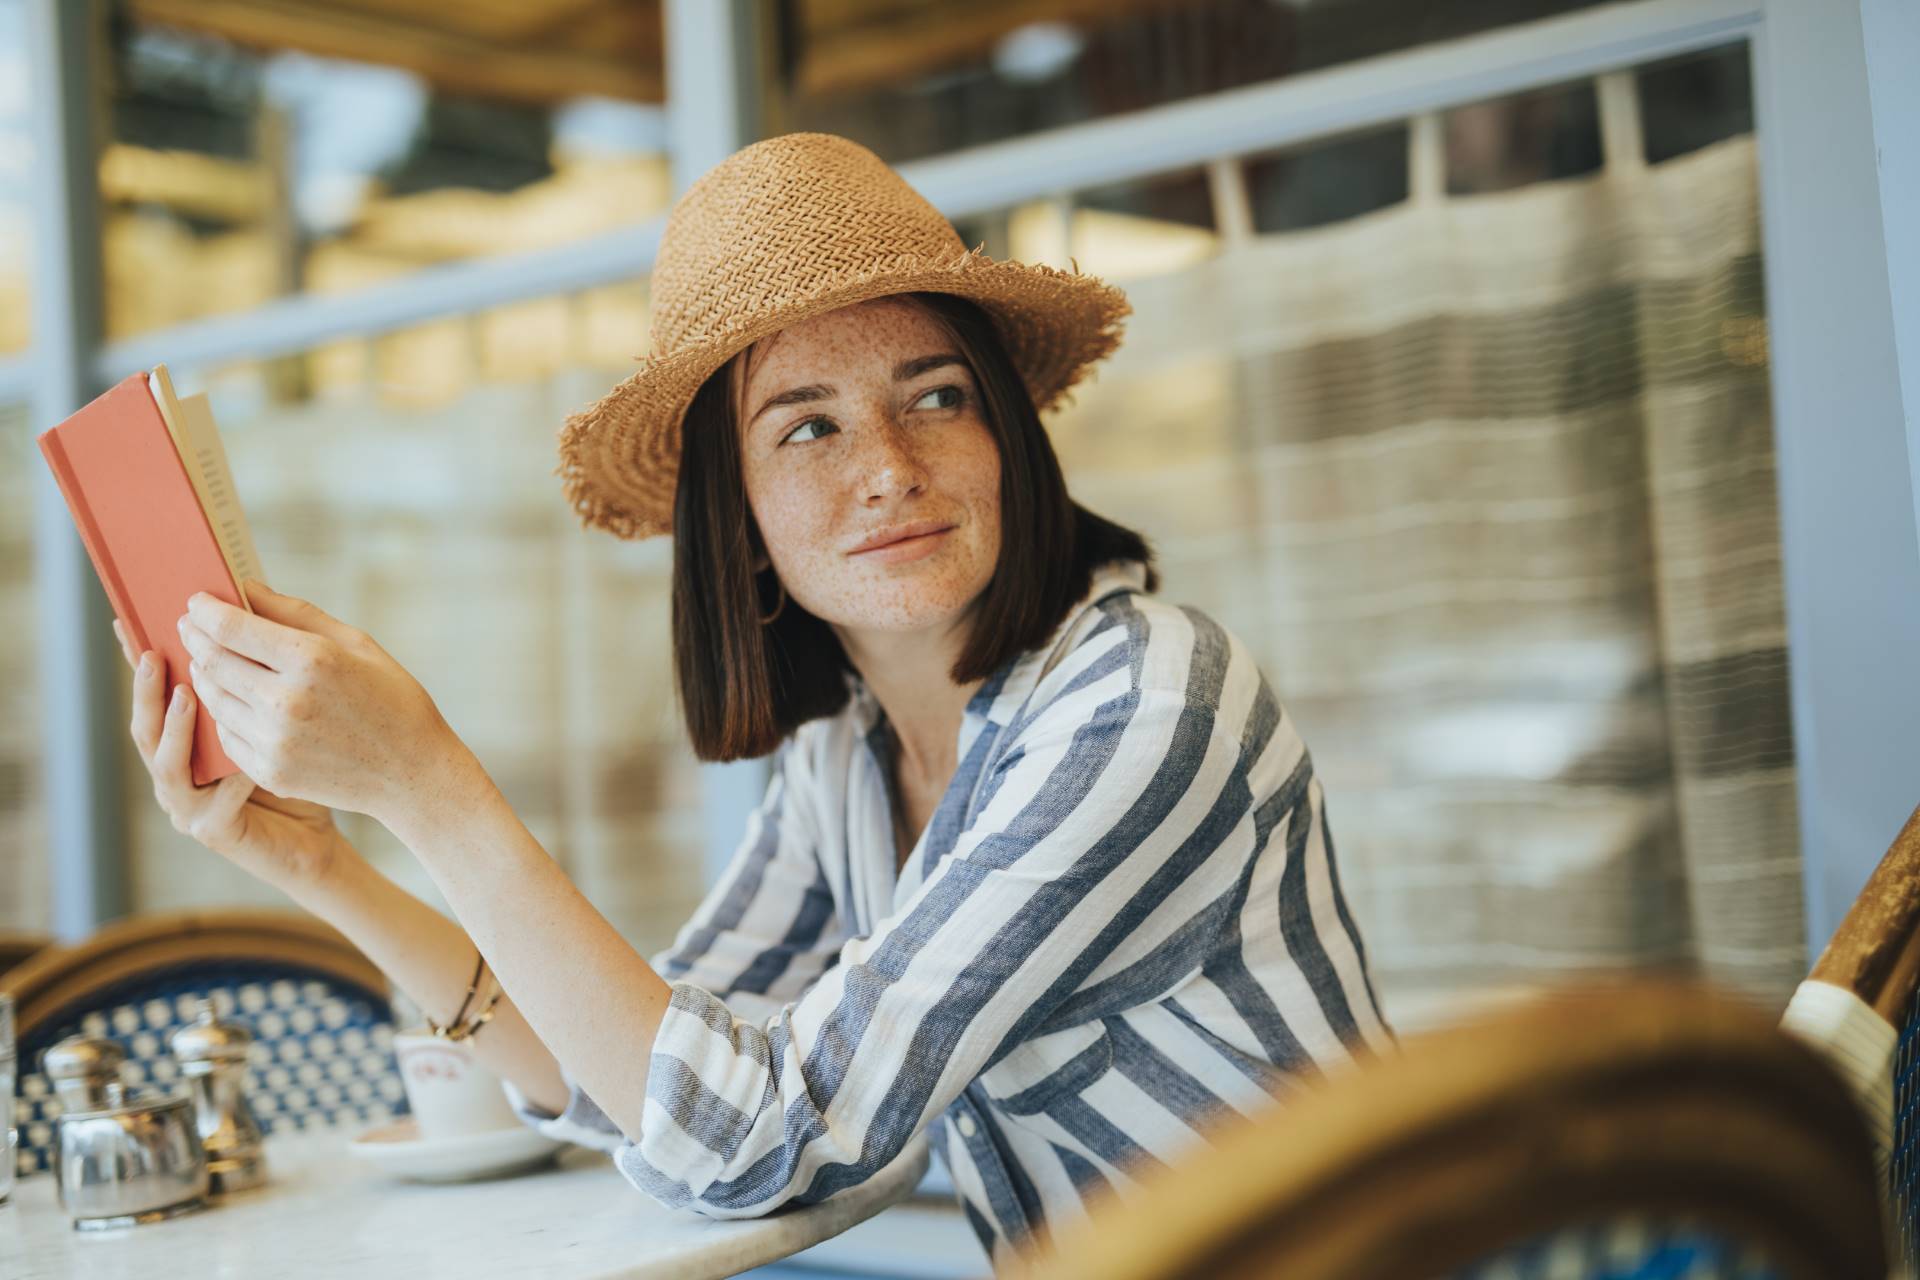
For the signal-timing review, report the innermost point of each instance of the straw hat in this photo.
(780, 231)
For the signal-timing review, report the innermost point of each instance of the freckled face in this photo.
(882, 438)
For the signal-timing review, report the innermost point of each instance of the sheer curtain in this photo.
(1487, 483)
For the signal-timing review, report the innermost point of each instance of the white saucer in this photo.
(399, 1149)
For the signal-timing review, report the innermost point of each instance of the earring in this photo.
(779, 607)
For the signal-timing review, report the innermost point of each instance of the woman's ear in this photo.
(757, 546)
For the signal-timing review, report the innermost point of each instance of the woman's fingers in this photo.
(163, 727)
(126, 649)
(173, 782)
(243, 679)
(226, 710)
(175, 747)
(205, 813)
(225, 801)
(239, 749)
(149, 706)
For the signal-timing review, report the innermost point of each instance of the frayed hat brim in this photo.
(619, 456)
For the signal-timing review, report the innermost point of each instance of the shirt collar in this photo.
(1001, 697)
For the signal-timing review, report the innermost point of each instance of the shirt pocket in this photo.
(1044, 1071)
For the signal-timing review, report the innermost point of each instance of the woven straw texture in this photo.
(781, 231)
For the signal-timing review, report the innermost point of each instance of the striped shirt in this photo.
(1122, 922)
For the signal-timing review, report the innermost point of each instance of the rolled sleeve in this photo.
(582, 1121)
(767, 928)
(763, 934)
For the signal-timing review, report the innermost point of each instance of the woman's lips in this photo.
(905, 549)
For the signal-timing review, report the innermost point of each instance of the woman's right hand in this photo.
(290, 844)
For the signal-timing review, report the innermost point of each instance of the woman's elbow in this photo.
(753, 1182)
(711, 1197)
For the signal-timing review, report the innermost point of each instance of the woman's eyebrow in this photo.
(821, 391)
(921, 364)
(794, 395)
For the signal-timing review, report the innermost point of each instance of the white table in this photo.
(326, 1213)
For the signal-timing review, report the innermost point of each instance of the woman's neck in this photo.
(909, 675)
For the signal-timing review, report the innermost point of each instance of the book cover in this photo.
(141, 520)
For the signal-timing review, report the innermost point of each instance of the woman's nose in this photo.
(889, 466)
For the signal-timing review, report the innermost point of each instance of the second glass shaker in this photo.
(212, 1054)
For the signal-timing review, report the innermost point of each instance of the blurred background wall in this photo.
(1461, 419)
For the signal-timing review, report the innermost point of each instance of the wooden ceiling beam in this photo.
(860, 46)
(541, 22)
(637, 31)
(562, 21)
(449, 60)
(490, 20)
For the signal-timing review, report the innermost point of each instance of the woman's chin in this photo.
(904, 619)
(915, 596)
(903, 606)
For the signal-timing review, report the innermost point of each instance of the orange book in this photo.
(146, 480)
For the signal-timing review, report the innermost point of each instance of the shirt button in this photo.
(965, 1125)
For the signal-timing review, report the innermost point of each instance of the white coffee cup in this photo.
(451, 1092)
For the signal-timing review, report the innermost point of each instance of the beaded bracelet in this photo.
(480, 1019)
(479, 963)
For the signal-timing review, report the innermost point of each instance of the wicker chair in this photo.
(1859, 1005)
(17, 948)
(1644, 1130)
(321, 1013)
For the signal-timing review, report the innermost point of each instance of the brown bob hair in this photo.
(744, 685)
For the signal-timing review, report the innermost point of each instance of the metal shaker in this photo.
(118, 1161)
(212, 1053)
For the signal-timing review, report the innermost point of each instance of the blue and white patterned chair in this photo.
(321, 1014)
(1644, 1131)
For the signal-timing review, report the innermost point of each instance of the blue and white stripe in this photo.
(1123, 921)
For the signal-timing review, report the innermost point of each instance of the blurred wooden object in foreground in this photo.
(1573, 1136)
(1858, 1009)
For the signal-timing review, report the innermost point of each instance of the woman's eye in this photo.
(814, 428)
(959, 397)
(809, 425)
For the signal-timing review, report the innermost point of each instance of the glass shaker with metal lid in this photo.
(119, 1158)
(212, 1053)
(82, 1069)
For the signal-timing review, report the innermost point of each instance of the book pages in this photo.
(197, 440)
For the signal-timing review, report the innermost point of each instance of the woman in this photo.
(1042, 867)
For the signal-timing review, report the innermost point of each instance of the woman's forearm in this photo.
(430, 958)
(587, 995)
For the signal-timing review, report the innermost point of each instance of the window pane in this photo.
(911, 78)
(1692, 102)
(1327, 182)
(1520, 140)
(234, 176)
